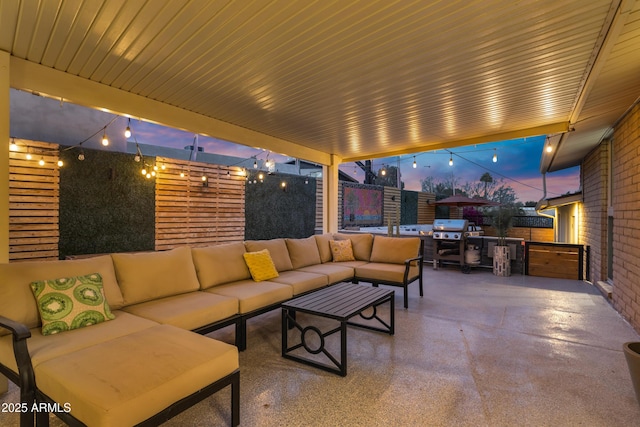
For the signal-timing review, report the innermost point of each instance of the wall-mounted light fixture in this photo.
(205, 181)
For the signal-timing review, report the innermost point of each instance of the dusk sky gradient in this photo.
(518, 162)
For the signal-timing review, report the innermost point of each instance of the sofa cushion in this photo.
(385, 272)
(220, 264)
(16, 298)
(394, 250)
(150, 275)
(302, 281)
(341, 250)
(278, 250)
(260, 265)
(128, 379)
(43, 348)
(303, 252)
(335, 272)
(187, 311)
(362, 244)
(252, 296)
(322, 240)
(68, 303)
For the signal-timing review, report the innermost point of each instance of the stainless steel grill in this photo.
(449, 241)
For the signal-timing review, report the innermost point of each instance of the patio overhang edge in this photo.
(551, 128)
(29, 76)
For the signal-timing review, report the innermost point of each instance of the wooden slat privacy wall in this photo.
(188, 212)
(33, 201)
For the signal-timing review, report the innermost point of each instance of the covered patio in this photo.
(476, 350)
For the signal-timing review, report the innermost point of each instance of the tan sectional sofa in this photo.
(146, 364)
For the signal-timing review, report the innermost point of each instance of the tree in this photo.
(487, 179)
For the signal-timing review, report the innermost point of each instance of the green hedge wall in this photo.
(271, 212)
(106, 205)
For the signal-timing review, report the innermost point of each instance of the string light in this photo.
(127, 131)
(495, 157)
(415, 165)
(105, 140)
(81, 155)
(549, 148)
(60, 163)
(13, 146)
(41, 162)
(450, 159)
(29, 156)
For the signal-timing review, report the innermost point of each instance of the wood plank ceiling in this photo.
(356, 79)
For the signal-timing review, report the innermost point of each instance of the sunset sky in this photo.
(45, 119)
(518, 162)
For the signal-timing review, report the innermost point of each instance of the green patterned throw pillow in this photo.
(71, 303)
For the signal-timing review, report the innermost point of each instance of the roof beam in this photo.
(496, 137)
(57, 84)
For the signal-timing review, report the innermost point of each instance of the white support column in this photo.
(4, 172)
(330, 195)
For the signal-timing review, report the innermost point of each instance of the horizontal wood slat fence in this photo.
(190, 211)
(34, 201)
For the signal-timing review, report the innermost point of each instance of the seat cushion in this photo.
(43, 348)
(385, 272)
(277, 249)
(303, 252)
(252, 296)
(220, 264)
(128, 379)
(187, 311)
(394, 250)
(151, 275)
(335, 272)
(362, 244)
(302, 281)
(16, 298)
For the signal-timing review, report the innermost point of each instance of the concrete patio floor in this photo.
(476, 350)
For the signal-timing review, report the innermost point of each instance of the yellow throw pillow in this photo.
(341, 250)
(71, 303)
(260, 265)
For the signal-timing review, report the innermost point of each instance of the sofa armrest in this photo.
(26, 377)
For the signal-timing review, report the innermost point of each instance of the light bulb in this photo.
(137, 158)
(105, 140)
(60, 163)
(153, 173)
(383, 172)
(163, 167)
(13, 146)
(204, 178)
(127, 131)
(81, 156)
(181, 174)
(549, 149)
(143, 171)
(260, 177)
(450, 161)
(29, 156)
(255, 164)
(495, 157)
(283, 184)
(415, 165)
(41, 162)
(148, 175)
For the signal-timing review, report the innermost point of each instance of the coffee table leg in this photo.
(343, 348)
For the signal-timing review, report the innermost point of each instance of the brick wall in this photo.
(626, 208)
(593, 211)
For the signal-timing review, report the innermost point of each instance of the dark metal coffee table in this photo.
(340, 302)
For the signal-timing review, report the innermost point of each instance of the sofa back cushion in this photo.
(361, 244)
(150, 275)
(220, 264)
(16, 298)
(277, 249)
(303, 252)
(394, 250)
(322, 240)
